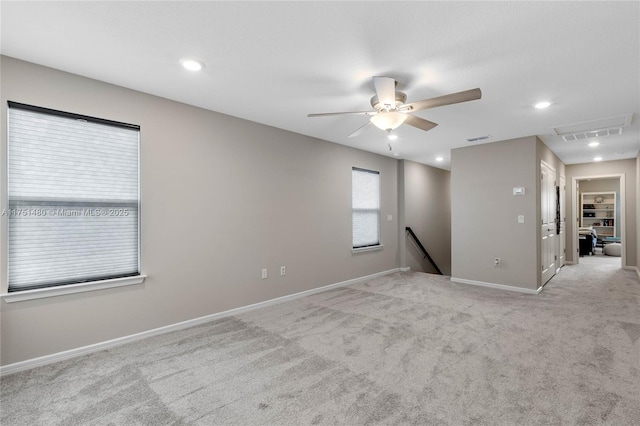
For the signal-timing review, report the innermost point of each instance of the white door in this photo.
(548, 214)
(562, 235)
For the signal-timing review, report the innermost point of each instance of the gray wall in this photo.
(603, 168)
(484, 213)
(637, 213)
(221, 198)
(427, 210)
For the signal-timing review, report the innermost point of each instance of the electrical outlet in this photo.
(283, 270)
(496, 261)
(264, 273)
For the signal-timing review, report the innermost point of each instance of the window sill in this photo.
(366, 249)
(40, 293)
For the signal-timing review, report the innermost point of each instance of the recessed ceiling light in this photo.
(392, 137)
(191, 64)
(439, 159)
(542, 105)
(395, 154)
(594, 143)
(597, 158)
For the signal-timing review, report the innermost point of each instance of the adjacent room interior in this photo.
(599, 207)
(319, 213)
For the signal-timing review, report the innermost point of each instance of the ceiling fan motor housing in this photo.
(401, 98)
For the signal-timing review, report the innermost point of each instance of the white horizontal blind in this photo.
(73, 199)
(366, 207)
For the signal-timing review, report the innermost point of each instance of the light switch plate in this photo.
(520, 218)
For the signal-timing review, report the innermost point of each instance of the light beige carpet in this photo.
(409, 348)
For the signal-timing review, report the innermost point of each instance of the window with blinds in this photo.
(73, 190)
(365, 194)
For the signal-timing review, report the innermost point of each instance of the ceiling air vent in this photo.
(593, 129)
(477, 138)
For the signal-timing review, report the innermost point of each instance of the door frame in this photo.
(575, 214)
(562, 235)
(553, 173)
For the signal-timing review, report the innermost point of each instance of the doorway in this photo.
(598, 208)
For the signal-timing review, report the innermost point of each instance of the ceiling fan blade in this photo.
(385, 90)
(360, 130)
(454, 98)
(420, 123)
(326, 114)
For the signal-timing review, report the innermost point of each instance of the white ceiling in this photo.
(275, 62)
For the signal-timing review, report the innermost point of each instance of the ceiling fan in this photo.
(390, 110)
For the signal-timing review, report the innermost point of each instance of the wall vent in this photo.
(478, 138)
(593, 129)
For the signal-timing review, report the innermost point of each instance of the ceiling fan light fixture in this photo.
(388, 120)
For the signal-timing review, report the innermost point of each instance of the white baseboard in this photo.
(405, 269)
(497, 286)
(84, 350)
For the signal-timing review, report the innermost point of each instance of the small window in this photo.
(366, 208)
(73, 190)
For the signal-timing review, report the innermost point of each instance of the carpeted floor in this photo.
(408, 348)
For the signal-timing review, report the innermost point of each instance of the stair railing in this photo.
(422, 249)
